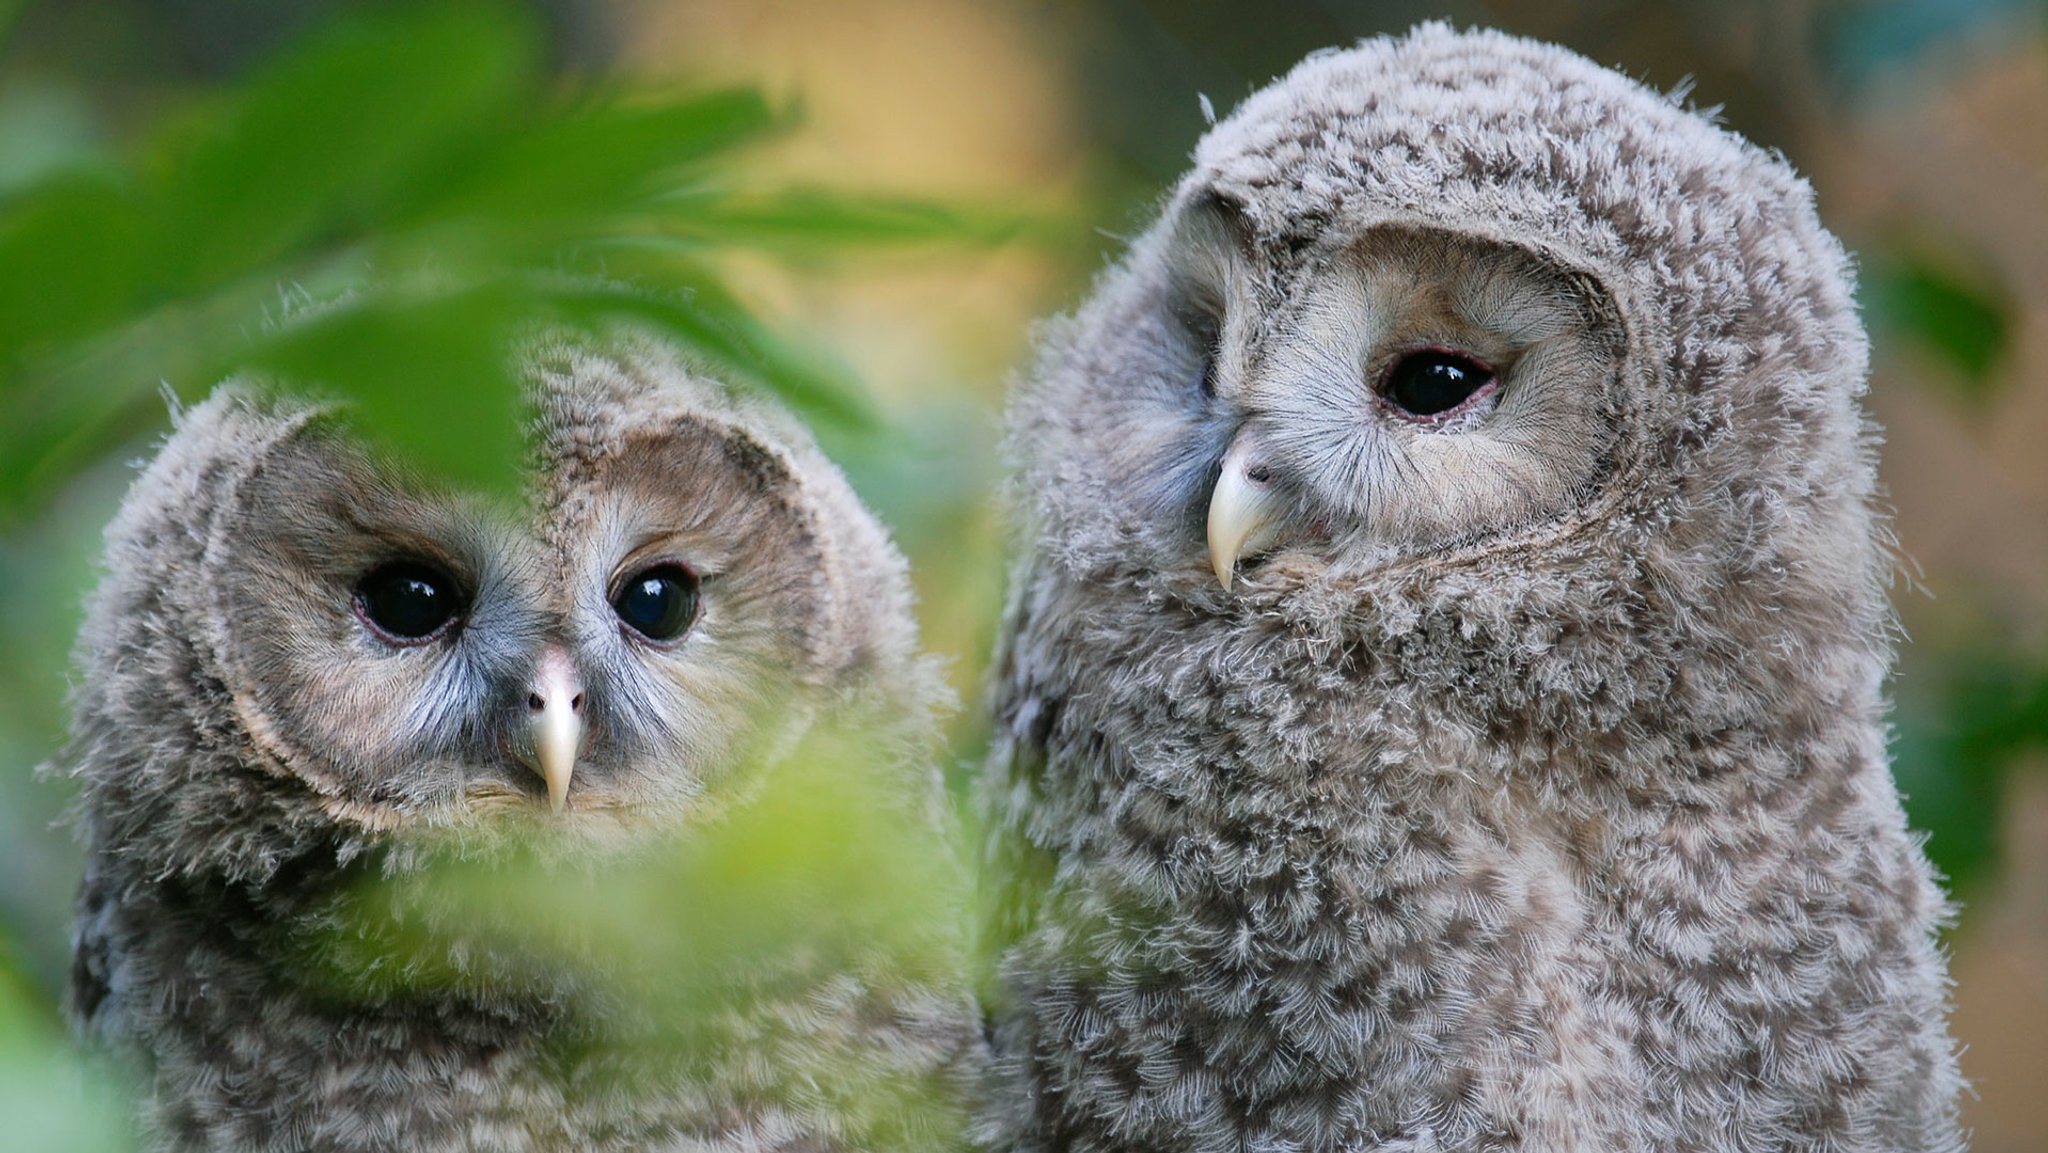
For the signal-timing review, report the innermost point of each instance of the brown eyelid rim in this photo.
(1379, 389)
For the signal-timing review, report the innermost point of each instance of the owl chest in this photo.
(1278, 910)
(1268, 857)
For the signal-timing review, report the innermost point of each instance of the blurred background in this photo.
(874, 202)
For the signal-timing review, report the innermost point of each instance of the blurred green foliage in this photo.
(404, 190)
(829, 857)
(675, 952)
(1974, 715)
(1911, 294)
(376, 213)
(1971, 710)
(54, 1099)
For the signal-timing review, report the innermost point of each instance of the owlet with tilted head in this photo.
(1442, 698)
(303, 671)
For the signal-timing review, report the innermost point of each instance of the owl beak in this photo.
(1245, 511)
(554, 706)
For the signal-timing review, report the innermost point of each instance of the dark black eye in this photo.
(659, 604)
(1434, 381)
(408, 601)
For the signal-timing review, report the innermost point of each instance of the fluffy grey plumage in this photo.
(1528, 788)
(250, 747)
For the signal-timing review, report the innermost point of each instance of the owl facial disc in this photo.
(1246, 509)
(555, 720)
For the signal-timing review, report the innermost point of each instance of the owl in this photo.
(1441, 703)
(304, 667)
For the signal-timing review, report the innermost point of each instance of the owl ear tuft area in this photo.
(627, 413)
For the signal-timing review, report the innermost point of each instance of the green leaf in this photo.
(682, 950)
(806, 220)
(348, 130)
(598, 159)
(427, 373)
(73, 251)
(45, 129)
(1975, 714)
(707, 321)
(10, 11)
(1928, 303)
(413, 145)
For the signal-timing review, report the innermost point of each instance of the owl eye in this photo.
(660, 603)
(1433, 381)
(407, 602)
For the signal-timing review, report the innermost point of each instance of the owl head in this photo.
(297, 643)
(1457, 347)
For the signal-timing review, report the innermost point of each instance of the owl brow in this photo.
(400, 544)
(658, 545)
(1522, 312)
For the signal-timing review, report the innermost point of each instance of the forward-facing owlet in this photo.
(303, 672)
(1442, 698)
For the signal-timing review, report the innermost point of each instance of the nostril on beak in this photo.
(535, 703)
(554, 706)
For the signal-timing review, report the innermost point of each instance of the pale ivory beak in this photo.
(1245, 511)
(555, 707)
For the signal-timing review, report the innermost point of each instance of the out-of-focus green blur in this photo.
(860, 205)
